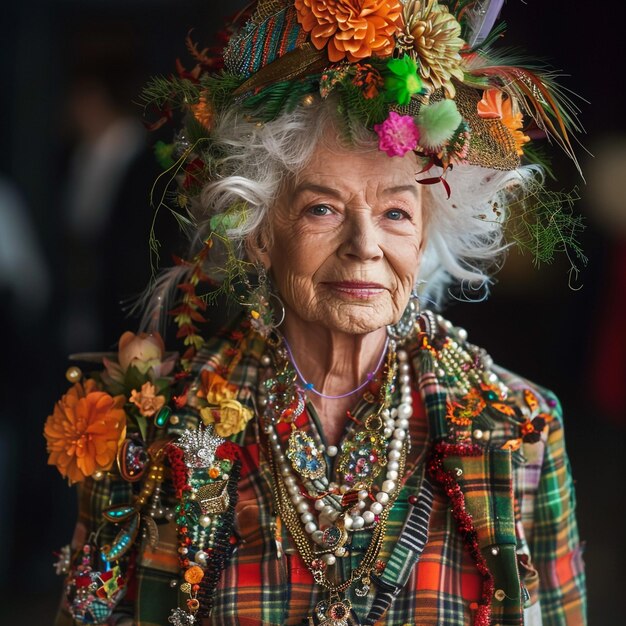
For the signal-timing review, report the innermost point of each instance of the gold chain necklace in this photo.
(335, 611)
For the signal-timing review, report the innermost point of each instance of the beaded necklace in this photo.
(309, 386)
(299, 474)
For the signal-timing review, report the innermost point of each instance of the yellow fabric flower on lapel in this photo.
(228, 419)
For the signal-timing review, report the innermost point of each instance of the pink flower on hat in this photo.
(397, 135)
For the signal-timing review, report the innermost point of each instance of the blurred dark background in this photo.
(73, 138)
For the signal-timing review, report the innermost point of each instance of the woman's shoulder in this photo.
(480, 395)
(444, 335)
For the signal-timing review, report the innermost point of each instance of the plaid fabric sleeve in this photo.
(93, 497)
(555, 546)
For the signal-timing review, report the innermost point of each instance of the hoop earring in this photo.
(262, 313)
(281, 317)
(405, 325)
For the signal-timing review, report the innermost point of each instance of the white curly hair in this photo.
(465, 238)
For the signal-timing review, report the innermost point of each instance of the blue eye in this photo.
(397, 215)
(320, 210)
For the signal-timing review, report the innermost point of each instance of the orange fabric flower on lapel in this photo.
(84, 431)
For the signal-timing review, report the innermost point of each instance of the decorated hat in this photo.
(422, 74)
(425, 76)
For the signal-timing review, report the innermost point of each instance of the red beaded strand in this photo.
(178, 469)
(465, 524)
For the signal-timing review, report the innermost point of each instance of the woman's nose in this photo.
(361, 238)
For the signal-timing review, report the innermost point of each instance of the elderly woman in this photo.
(337, 456)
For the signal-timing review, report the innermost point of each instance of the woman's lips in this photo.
(356, 289)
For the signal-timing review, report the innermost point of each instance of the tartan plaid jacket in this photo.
(522, 505)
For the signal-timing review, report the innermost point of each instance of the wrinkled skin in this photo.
(348, 239)
(346, 245)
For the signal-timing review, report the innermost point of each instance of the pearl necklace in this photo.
(330, 534)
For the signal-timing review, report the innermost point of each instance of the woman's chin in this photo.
(355, 320)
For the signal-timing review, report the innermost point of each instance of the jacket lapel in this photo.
(486, 481)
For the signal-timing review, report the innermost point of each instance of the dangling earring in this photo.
(262, 314)
(404, 326)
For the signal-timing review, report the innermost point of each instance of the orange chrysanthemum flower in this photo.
(351, 29)
(84, 431)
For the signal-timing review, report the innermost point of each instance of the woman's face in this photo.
(348, 239)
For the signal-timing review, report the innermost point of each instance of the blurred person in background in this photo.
(24, 275)
(25, 291)
(106, 204)
(607, 197)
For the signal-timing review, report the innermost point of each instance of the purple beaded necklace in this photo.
(310, 387)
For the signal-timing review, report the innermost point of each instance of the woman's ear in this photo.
(257, 248)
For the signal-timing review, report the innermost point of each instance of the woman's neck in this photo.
(334, 363)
